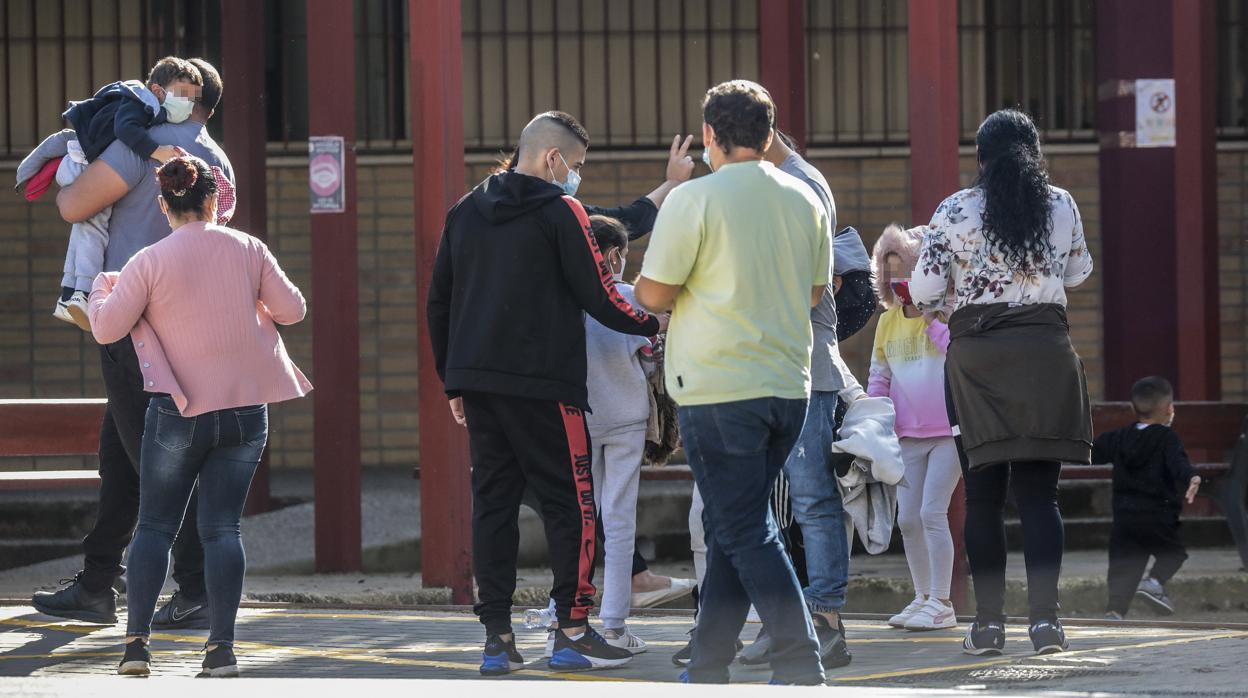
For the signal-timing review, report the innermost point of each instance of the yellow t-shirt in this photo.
(746, 244)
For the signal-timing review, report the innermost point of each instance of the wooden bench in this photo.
(50, 428)
(71, 427)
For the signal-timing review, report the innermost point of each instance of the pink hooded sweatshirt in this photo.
(908, 359)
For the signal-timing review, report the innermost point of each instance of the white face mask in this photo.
(177, 108)
(618, 275)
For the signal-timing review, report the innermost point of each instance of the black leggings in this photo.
(1034, 485)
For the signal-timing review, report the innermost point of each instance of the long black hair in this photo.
(1017, 200)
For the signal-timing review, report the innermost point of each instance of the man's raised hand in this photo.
(679, 164)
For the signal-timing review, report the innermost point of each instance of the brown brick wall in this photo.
(41, 357)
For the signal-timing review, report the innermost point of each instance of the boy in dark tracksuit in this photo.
(515, 272)
(1152, 477)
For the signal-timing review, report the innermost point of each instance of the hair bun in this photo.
(177, 176)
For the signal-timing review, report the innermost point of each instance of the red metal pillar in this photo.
(934, 134)
(1196, 202)
(242, 105)
(1134, 40)
(438, 157)
(782, 58)
(335, 296)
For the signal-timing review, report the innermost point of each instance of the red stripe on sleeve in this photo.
(604, 269)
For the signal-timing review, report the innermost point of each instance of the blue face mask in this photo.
(573, 182)
(706, 157)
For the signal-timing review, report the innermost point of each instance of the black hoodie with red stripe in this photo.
(515, 270)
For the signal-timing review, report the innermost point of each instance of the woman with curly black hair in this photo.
(1010, 246)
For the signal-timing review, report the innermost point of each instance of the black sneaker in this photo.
(833, 650)
(137, 660)
(500, 658)
(685, 655)
(590, 651)
(75, 602)
(1048, 637)
(181, 612)
(986, 639)
(759, 651)
(219, 664)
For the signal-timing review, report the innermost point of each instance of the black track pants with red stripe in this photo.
(517, 442)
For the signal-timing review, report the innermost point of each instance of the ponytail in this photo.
(1018, 203)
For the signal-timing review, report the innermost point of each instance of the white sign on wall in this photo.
(1154, 113)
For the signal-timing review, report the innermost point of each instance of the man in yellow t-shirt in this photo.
(740, 257)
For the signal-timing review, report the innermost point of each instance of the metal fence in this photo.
(632, 70)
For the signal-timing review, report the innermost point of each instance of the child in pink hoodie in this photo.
(908, 366)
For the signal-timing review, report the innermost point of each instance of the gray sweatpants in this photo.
(84, 259)
(617, 471)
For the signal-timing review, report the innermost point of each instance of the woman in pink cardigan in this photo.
(201, 307)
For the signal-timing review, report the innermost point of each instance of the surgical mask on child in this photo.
(177, 108)
(901, 289)
(617, 275)
(573, 181)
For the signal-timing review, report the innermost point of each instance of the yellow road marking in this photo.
(329, 653)
(1048, 657)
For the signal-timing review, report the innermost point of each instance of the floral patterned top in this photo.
(955, 253)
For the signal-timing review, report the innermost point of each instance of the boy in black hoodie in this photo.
(1152, 478)
(516, 271)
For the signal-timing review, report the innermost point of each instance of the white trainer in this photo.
(933, 615)
(899, 620)
(624, 639)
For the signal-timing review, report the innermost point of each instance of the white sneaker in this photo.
(62, 312)
(933, 615)
(550, 643)
(76, 307)
(677, 589)
(625, 640)
(899, 620)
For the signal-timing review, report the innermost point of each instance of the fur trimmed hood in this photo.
(903, 243)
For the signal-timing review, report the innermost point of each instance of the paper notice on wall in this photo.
(1154, 113)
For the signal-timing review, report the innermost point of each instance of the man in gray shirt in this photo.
(816, 498)
(127, 182)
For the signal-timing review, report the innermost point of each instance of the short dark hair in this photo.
(609, 233)
(570, 123)
(171, 68)
(186, 184)
(210, 95)
(741, 113)
(1150, 395)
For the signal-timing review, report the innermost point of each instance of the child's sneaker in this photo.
(76, 308)
(589, 651)
(500, 658)
(899, 620)
(219, 663)
(136, 661)
(624, 640)
(1048, 637)
(1154, 593)
(986, 639)
(61, 312)
(933, 615)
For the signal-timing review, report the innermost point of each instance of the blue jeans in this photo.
(221, 449)
(817, 506)
(736, 450)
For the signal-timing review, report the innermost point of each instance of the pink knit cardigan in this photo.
(200, 306)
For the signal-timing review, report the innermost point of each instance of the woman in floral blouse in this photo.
(1008, 248)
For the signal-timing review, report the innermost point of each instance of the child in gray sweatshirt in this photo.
(619, 399)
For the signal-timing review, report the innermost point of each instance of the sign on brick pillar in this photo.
(782, 63)
(242, 59)
(1196, 202)
(335, 291)
(934, 132)
(438, 157)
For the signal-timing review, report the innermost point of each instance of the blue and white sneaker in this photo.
(589, 651)
(1048, 637)
(500, 658)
